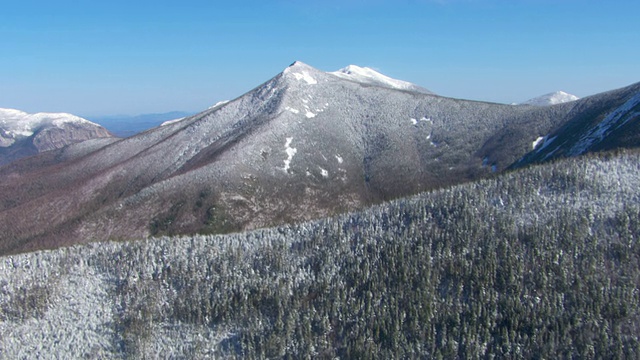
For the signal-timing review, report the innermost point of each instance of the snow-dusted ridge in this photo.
(22, 124)
(369, 76)
(553, 98)
(218, 104)
(23, 134)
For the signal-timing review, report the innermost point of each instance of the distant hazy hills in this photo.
(125, 125)
(23, 134)
(303, 145)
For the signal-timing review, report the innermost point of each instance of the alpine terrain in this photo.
(365, 217)
(542, 262)
(553, 98)
(23, 134)
(303, 145)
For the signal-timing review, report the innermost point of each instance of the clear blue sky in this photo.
(129, 57)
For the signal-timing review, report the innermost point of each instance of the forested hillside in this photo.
(539, 263)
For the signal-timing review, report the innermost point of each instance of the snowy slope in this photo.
(19, 123)
(601, 122)
(173, 121)
(303, 144)
(553, 98)
(23, 134)
(369, 76)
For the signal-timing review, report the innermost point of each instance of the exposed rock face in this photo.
(303, 145)
(23, 134)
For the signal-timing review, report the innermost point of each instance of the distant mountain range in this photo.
(23, 134)
(303, 145)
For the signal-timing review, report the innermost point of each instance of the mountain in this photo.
(126, 125)
(557, 97)
(23, 134)
(365, 75)
(303, 145)
(598, 123)
(541, 262)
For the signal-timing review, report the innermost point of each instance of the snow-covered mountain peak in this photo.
(27, 134)
(553, 98)
(369, 76)
(302, 72)
(21, 122)
(299, 64)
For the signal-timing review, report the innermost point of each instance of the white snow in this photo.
(557, 97)
(295, 111)
(340, 159)
(545, 142)
(169, 122)
(309, 114)
(617, 118)
(304, 76)
(414, 121)
(290, 153)
(537, 142)
(325, 173)
(219, 103)
(20, 123)
(369, 76)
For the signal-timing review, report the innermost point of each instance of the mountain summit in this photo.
(23, 134)
(553, 98)
(302, 145)
(369, 76)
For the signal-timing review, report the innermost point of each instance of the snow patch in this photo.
(219, 103)
(325, 173)
(309, 114)
(537, 142)
(545, 142)
(304, 76)
(367, 75)
(295, 111)
(340, 159)
(169, 122)
(290, 153)
(415, 121)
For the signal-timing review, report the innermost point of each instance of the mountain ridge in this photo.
(369, 76)
(302, 145)
(503, 263)
(23, 134)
